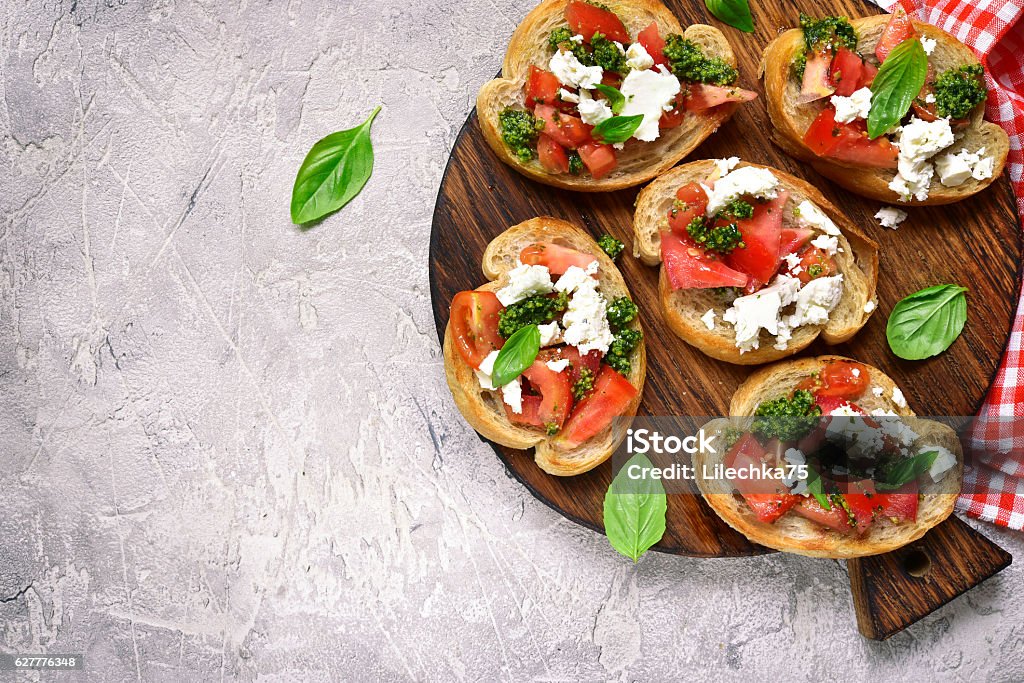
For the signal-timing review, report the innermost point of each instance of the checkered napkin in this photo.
(994, 483)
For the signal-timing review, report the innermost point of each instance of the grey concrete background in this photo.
(228, 450)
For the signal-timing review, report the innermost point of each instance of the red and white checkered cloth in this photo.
(994, 482)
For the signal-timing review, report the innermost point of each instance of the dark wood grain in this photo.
(975, 242)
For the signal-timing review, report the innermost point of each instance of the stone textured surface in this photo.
(228, 450)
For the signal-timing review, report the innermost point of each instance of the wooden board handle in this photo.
(892, 591)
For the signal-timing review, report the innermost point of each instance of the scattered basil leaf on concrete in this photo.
(617, 128)
(516, 355)
(927, 322)
(616, 100)
(898, 82)
(736, 13)
(906, 470)
(333, 172)
(634, 510)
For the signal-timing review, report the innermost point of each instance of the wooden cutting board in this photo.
(975, 243)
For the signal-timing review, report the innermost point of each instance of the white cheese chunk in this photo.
(524, 281)
(929, 45)
(575, 277)
(568, 96)
(512, 394)
(918, 141)
(638, 58)
(586, 319)
(856, 106)
(726, 165)
(827, 243)
(844, 410)
(648, 93)
(578, 39)
(929, 98)
(709, 319)
(593, 111)
(944, 462)
(890, 217)
(550, 334)
(761, 311)
(483, 373)
(810, 216)
(898, 398)
(749, 180)
(571, 72)
(953, 170)
(792, 262)
(870, 306)
(877, 391)
(815, 301)
(558, 365)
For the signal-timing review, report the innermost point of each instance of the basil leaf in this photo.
(617, 128)
(927, 322)
(616, 100)
(898, 82)
(736, 13)
(516, 355)
(906, 470)
(333, 172)
(634, 510)
(816, 489)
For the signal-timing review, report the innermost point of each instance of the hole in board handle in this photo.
(917, 563)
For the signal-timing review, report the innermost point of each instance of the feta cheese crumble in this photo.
(956, 169)
(650, 93)
(898, 398)
(944, 462)
(512, 394)
(759, 182)
(572, 72)
(890, 217)
(929, 45)
(550, 334)
(827, 243)
(558, 365)
(569, 96)
(877, 391)
(762, 310)
(586, 318)
(638, 58)
(918, 141)
(810, 216)
(709, 319)
(726, 165)
(593, 111)
(483, 373)
(524, 281)
(856, 106)
(870, 306)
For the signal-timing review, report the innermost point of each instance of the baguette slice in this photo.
(794, 534)
(638, 162)
(791, 121)
(858, 262)
(483, 409)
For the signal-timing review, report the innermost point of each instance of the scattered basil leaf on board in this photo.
(927, 322)
(736, 13)
(906, 470)
(816, 489)
(333, 172)
(516, 355)
(616, 100)
(617, 128)
(898, 82)
(634, 510)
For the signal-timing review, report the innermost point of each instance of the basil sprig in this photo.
(898, 82)
(927, 322)
(333, 172)
(516, 355)
(616, 100)
(817, 489)
(906, 470)
(736, 13)
(634, 510)
(617, 128)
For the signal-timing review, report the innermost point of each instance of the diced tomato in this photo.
(828, 404)
(474, 321)
(823, 265)
(567, 130)
(816, 84)
(900, 504)
(899, 28)
(694, 203)
(702, 96)
(690, 267)
(554, 257)
(836, 518)
(768, 498)
(845, 71)
(652, 41)
(823, 134)
(762, 234)
(542, 88)
(860, 498)
(577, 363)
(610, 397)
(611, 78)
(555, 391)
(793, 239)
(552, 155)
(599, 159)
(585, 19)
(531, 412)
(674, 117)
(846, 379)
(868, 72)
(848, 142)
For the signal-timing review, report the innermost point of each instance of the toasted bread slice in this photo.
(791, 121)
(484, 410)
(795, 534)
(858, 262)
(638, 162)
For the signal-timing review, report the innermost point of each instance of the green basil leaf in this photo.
(736, 13)
(898, 82)
(906, 470)
(516, 355)
(816, 489)
(333, 172)
(634, 510)
(927, 322)
(617, 128)
(616, 100)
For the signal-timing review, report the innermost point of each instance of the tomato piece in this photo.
(554, 257)
(829, 403)
(844, 379)
(599, 159)
(899, 28)
(530, 416)
(836, 518)
(565, 129)
(555, 391)
(585, 19)
(542, 88)
(577, 363)
(474, 321)
(845, 71)
(702, 96)
(690, 267)
(552, 155)
(900, 505)
(675, 116)
(694, 203)
(793, 239)
(768, 498)
(823, 134)
(610, 397)
(762, 233)
(860, 499)
(815, 263)
(848, 142)
(652, 41)
(867, 75)
(816, 84)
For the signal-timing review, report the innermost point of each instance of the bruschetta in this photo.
(551, 281)
(854, 473)
(598, 97)
(820, 85)
(755, 263)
